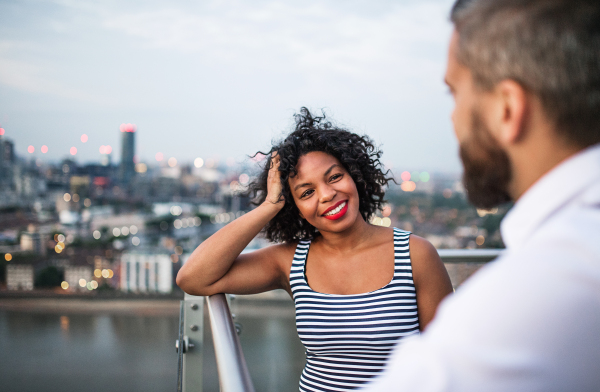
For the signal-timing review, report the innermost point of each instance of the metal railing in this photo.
(231, 364)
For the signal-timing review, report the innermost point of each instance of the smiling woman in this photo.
(358, 288)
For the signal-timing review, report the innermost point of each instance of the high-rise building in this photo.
(7, 158)
(127, 166)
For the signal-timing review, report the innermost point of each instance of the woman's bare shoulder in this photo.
(422, 250)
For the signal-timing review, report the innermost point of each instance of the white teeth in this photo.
(336, 210)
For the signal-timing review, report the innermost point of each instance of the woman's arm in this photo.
(217, 266)
(432, 282)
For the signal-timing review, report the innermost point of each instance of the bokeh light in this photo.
(97, 273)
(64, 285)
(135, 241)
(44, 149)
(480, 240)
(198, 162)
(82, 282)
(405, 176)
(387, 210)
(75, 197)
(84, 138)
(30, 149)
(172, 162)
(105, 273)
(73, 150)
(159, 156)
(87, 202)
(97, 234)
(1, 131)
(415, 176)
(116, 232)
(8, 257)
(424, 177)
(447, 193)
(408, 186)
(386, 222)
(133, 229)
(67, 197)
(244, 178)
(125, 230)
(128, 127)
(141, 168)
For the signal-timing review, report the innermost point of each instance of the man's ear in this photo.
(511, 102)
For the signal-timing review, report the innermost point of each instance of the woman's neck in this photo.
(352, 238)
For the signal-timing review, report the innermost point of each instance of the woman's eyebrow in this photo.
(330, 169)
(324, 175)
(301, 185)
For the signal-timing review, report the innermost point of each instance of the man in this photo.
(525, 76)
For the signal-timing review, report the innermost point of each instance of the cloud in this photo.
(310, 37)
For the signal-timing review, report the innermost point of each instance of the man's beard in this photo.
(487, 167)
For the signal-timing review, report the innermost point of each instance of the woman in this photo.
(358, 288)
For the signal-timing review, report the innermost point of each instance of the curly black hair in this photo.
(358, 155)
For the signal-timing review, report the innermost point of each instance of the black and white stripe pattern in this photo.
(349, 337)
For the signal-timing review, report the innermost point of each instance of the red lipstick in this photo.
(339, 214)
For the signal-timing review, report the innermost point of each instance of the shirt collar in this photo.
(548, 194)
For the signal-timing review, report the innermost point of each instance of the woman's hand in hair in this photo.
(274, 187)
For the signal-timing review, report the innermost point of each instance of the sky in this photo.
(221, 79)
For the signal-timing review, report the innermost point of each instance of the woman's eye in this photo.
(335, 177)
(307, 193)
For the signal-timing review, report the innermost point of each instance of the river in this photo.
(46, 348)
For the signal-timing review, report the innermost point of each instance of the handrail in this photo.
(233, 371)
(469, 255)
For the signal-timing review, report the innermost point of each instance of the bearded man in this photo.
(525, 77)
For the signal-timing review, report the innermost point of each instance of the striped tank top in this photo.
(348, 337)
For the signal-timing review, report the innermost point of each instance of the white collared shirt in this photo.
(529, 321)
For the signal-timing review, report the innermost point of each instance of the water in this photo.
(42, 352)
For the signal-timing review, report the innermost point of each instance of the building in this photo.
(127, 165)
(33, 241)
(146, 272)
(19, 277)
(7, 159)
(78, 277)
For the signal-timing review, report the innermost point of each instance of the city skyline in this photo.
(220, 80)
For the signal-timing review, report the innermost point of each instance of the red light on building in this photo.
(128, 127)
(101, 181)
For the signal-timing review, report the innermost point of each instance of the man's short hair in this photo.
(550, 47)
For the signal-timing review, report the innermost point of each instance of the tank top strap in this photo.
(402, 263)
(297, 279)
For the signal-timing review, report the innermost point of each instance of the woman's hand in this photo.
(274, 188)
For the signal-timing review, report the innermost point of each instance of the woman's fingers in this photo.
(274, 180)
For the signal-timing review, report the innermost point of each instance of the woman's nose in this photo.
(327, 194)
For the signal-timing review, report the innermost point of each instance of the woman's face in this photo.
(324, 192)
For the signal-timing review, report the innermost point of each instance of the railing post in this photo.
(192, 343)
(233, 371)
